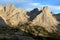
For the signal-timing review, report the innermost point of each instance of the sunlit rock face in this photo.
(1, 8)
(14, 16)
(39, 22)
(18, 16)
(44, 20)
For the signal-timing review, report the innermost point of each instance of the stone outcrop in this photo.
(57, 16)
(1, 8)
(45, 20)
(14, 16)
(2, 22)
(32, 14)
(39, 22)
(18, 16)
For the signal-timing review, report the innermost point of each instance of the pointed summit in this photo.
(46, 9)
(9, 7)
(1, 8)
(13, 16)
(46, 20)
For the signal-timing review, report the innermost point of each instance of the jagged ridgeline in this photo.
(44, 23)
(37, 22)
(12, 15)
(45, 19)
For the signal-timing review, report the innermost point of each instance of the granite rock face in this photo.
(45, 22)
(13, 16)
(38, 22)
(32, 14)
(45, 18)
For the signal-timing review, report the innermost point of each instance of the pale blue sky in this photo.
(31, 4)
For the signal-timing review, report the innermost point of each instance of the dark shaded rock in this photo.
(57, 16)
(32, 14)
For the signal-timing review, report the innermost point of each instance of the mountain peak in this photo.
(45, 19)
(1, 8)
(46, 9)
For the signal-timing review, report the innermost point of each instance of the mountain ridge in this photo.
(31, 22)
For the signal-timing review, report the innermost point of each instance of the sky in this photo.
(31, 4)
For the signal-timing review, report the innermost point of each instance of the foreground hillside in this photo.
(38, 24)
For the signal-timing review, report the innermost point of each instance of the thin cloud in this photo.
(40, 5)
(55, 7)
(35, 4)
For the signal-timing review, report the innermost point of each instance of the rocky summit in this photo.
(37, 24)
(45, 19)
(13, 16)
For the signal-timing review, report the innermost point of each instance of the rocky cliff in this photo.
(45, 19)
(13, 16)
(38, 22)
